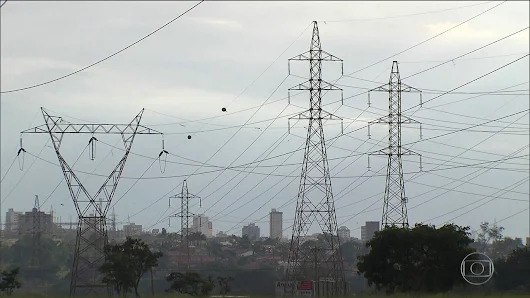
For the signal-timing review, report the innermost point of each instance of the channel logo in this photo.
(477, 268)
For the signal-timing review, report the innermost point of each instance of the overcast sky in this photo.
(474, 146)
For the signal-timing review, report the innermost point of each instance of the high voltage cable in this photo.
(255, 112)
(270, 65)
(260, 207)
(407, 15)
(414, 46)
(465, 59)
(437, 136)
(468, 53)
(106, 58)
(24, 175)
(512, 186)
(73, 165)
(476, 79)
(295, 151)
(429, 39)
(447, 61)
(413, 177)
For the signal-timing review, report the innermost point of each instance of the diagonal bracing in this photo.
(91, 209)
(315, 203)
(395, 200)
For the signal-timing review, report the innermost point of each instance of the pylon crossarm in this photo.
(324, 56)
(92, 129)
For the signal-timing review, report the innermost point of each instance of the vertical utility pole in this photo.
(316, 249)
(36, 233)
(185, 215)
(91, 238)
(315, 202)
(395, 200)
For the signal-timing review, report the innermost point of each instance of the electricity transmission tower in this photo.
(395, 201)
(315, 197)
(91, 228)
(185, 215)
(36, 233)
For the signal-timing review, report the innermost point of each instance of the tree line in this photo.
(426, 259)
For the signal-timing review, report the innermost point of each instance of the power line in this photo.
(429, 39)
(461, 153)
(408, 15)
(106, 58)
(465, 59)
(512, 34)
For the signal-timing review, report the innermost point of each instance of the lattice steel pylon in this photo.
(395, 202)
(315, 197)
(36, 233)
(91, 230)
(185, 215)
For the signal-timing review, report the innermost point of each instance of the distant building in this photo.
(368, 230)
(12, 220)
(344, 234)
(221, 234)
(210, 229)
(132, 229)
(200, 224)
(528, 241)
(34, 221)
(275, 224)
(155, 231)
(251, 231)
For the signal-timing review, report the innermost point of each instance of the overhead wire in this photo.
(414, 46)
(407, 15)
(258, 108)
(106, 58)
(429, 39)
(24, 175)
(455, 89)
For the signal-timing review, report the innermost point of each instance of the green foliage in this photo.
(351, 250)
(421, 259)
(190, 283)
(514, 271)
(9, 281)
(126, 264)
(224, 284)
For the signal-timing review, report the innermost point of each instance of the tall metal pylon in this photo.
(185, 215)
(315, 196)
(395, 201)
(91, 238)
(36, 233)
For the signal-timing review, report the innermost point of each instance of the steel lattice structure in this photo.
(395, 201)
(184, 215)
(36, 233)
(91, 229)
(315, 197)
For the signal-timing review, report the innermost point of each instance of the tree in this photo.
(419, 259)
(10, 281)
(190, 283)
(514, 271)
(487, 235)
(126, 263)
(351, 250)
(224, 286)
